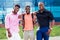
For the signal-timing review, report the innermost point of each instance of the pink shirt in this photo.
(12, 22)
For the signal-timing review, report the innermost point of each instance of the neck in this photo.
(14, 12)
(28, 12)
(41, 10)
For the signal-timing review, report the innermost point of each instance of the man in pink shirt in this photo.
(12, 24)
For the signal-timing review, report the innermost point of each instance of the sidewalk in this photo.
(51, 38)
(55, 38)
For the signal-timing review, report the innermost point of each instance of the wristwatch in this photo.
(51, 28)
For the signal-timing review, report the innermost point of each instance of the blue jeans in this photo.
(42, 33)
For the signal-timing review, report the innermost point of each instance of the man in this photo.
(28, 24)
(12, 24)
(46, 22)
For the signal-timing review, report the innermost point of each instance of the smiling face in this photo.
(16, 9)
(41, 5)
(27, 8)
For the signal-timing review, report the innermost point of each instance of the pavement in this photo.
(51, 38)
(55, 38)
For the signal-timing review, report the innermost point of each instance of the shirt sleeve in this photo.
(7, 21)
(51, 17)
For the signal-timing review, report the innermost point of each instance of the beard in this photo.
(28, 12)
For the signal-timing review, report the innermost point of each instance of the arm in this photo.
(7, 22)
(51, 23)
(34, 14)
(35, 19)
(7, 19)
(20, 20)
(51, 26)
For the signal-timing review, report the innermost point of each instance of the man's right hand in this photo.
(9, 34)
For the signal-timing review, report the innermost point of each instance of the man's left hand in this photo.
(49, 31)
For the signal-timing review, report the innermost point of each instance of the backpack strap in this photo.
(32, 19)
(23, 20)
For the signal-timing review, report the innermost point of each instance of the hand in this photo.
(19, 16)
(9, 34)
(49, 31)
(20, 24)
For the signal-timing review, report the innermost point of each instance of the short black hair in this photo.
(28, 6)
(17, 5)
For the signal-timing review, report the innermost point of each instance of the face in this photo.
(16, 9)
(27, 9)
(41, 6)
